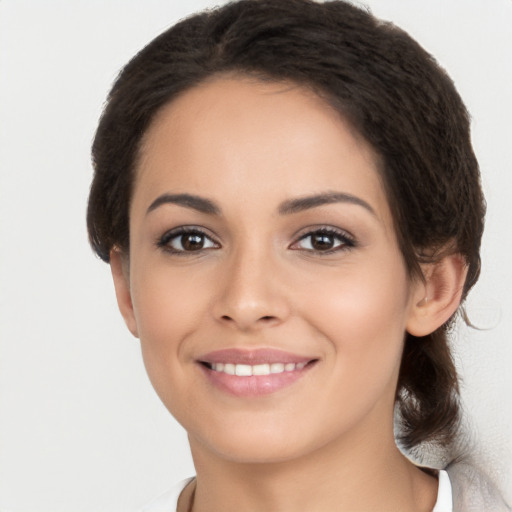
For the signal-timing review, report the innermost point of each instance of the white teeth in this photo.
(261, 369)
(243, 370)
(246, 370)
(277, 368)
(229, 369)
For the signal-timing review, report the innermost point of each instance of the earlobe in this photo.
(121, 277)
(437, 299)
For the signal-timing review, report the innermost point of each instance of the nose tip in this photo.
(251, 296)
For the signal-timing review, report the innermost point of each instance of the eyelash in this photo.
(347, 242)
(164, 242)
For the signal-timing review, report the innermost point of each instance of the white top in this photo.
(169, 501)
(444, 494)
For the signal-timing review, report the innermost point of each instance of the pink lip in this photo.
(254, 385)
(256, 356)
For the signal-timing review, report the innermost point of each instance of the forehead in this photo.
(271, 139)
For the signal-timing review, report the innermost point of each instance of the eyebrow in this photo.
(307, 202)
(203, 205)
(198, 203)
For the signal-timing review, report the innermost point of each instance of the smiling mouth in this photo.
(254, 373)
(247, 370)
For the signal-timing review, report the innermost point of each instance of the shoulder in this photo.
(168, 501)
(473, 490)
(461, 488)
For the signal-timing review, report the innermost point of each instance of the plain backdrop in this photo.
(80, 427)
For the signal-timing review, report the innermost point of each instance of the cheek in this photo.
(167, 308)
(362, 317)
(166, 303)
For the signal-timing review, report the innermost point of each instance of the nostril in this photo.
(247, 320)
(266, 317)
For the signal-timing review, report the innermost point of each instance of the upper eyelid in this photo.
(188, 229)
(347, 240)
(180, 230)
(304, 232)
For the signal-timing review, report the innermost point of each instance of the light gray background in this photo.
(80, 427)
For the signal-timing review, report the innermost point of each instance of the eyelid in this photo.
(163, 241)
(347, 239)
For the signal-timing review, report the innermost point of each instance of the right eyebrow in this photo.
(304, 203)
(201, 204)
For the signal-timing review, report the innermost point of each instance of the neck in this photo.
(357, 472)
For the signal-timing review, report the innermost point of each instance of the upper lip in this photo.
(253, 356)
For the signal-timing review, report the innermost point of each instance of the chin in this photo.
(257, 439)
(257, 450)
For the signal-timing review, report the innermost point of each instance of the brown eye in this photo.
(322, 242)
(192, 241)
(326, 241)
(186, 240)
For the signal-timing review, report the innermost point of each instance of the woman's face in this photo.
(266, 284)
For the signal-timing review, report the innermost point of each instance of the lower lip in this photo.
(254, 385)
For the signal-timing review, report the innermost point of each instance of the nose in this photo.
(251, 292)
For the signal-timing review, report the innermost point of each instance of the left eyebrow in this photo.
(201, 204)
(304, 203)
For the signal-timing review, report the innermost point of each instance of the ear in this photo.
(119, 266)
(437, 298)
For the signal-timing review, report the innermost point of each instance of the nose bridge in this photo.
(251, 295)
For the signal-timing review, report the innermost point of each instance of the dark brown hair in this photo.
(382, 82)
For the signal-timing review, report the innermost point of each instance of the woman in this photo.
(288, 198)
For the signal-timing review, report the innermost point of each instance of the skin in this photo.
(249, 147)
